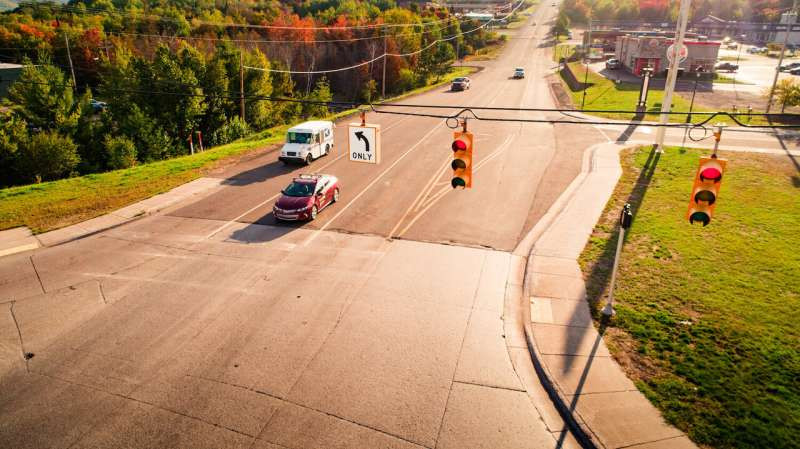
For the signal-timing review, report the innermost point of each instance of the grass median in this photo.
(707, 317)
(52, 205)
(605, 94)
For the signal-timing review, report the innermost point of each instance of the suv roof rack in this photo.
(309, 176)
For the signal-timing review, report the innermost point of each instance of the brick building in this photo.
(638, 52)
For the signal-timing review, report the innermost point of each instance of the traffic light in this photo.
(462, 160)
(705, 191)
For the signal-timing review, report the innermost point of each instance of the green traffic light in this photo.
(458, 182)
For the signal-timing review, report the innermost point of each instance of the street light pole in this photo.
(672, 75)
(792, 19)
(586, 62)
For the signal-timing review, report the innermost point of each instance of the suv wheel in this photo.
(313, 212)
(335, 195)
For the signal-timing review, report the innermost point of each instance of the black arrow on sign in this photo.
(360, 136)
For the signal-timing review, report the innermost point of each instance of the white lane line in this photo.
(417, 203)
(439, 195)
(266, 201)
(371, 184)
(395, 124)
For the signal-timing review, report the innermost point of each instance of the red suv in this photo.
(305, 197)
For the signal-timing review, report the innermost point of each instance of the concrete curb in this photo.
(21, 239)
(603, 408)
(517, 308)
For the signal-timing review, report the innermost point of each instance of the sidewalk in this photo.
(571, 356)
(21, 239)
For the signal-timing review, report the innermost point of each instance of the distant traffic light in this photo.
(705, 191)
(462, 160)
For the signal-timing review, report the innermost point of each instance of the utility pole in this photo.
(385, 50)
(241, 83)
(672, 76)
(69, 56)
(586, 59)
(792, 20)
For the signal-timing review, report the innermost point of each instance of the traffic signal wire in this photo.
(454, 120)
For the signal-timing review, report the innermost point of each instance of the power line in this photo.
(137, 15)
(361, 64)
(468, 112)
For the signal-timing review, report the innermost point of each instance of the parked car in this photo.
(795, 71)
(519, 73)
(97, 106)
(461, 83)
(790, 66)
(726, 67)
(305, 197)
(307, 141)
(613, 64)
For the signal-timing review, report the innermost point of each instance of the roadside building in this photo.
(8, 74)
(638, 52)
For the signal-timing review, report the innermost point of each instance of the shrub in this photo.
(47, 156)
(406, 80)
(233, 129)
(120, 152)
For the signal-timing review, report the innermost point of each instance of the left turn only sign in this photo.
(364, 143)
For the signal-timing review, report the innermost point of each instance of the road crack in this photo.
(25, 355)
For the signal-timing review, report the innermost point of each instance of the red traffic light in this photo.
(459, 145)
(462, 160)
(705, 191)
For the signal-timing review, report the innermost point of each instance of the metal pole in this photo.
(586, 62)
(385, 50)
(792, 19)
(691, 103)
(69, 56)
(625, 221)
(672, 76)
(241, 84)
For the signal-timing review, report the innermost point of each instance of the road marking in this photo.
(394, 125)
(439, 195)
(417, 203)
(313, 236)
(266, 201)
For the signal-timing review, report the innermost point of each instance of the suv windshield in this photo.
(299, 189)
(459, 80)
(299, 138)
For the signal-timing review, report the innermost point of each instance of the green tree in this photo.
(321, 93)
(44, 98)
(787, 93)
(561, 25)
(121, 152)
(13, 134)
(47, 156)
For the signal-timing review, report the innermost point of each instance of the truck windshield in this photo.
(299, 189)
(299, 137)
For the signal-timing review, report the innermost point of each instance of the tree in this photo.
(561, 26)
(787, 93)
(121, 152)
(13, 133)
(47, 156)
(43, 97)
(321, 94)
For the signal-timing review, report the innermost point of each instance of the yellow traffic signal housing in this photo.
(705, 191)
(462, 160)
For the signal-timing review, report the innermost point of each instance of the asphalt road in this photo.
(380, 324)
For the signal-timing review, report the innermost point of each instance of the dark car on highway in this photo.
(726, 67)
(790, 67)
(461, 83)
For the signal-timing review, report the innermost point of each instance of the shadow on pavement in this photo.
(260, 173)
(265, 229)
(631, 128)
(582, 381)
(793, 158)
